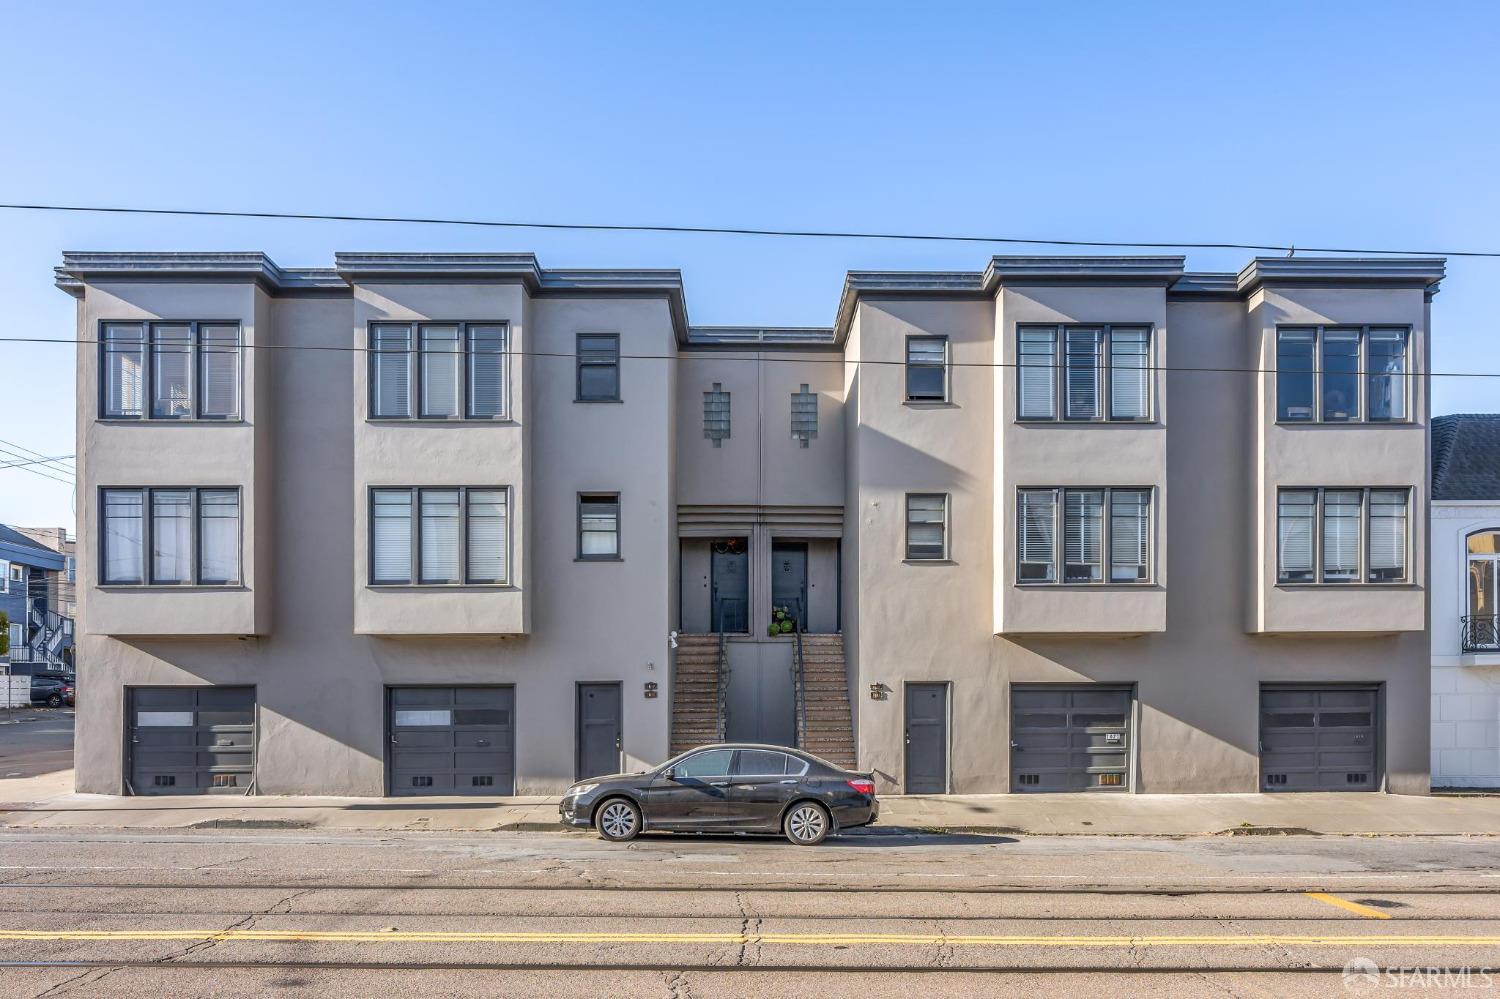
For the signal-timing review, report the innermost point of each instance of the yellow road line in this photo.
(1342, 903)
(816, 939)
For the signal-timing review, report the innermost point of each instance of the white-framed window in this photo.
(1077, 372)
(1482, 622)
(927, 369)
(1083, 535)
(4, 576)
(926, 527)
(439, 535)
(1343, 535)
(170, 370)
(17, 638)
(170, 536)
(70, 569)
(439, 371)
(1342, 374)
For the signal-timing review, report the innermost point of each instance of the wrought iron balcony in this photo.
(1480, 633)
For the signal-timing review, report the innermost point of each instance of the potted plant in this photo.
(782, 622)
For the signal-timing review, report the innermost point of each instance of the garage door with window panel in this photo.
(1319, 739)
(1070, 738)
(452, 740)
(191, 740)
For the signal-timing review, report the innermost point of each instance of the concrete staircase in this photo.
(695, 692)
(828, 731)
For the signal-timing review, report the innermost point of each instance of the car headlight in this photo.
(579, 789)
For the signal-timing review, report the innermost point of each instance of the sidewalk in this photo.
(48, 802)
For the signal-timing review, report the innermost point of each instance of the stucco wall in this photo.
(1465, 686)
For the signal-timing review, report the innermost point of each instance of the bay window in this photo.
(439, 371)
(1104, 535)
(1342, 535)
(170, 371)
(439, 535)
(1104, 372)
(1342, 374)
(170, 536)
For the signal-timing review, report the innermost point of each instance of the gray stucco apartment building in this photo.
(461, 524)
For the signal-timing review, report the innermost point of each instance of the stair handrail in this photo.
(721, 685)
(799, 673)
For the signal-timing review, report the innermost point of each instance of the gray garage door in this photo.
(452, 740)
(1070, 738)
(192, 740)
(1319, 739)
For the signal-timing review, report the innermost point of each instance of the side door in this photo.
(599, 730)
(926, 738)
(763, 783)
(696, 796)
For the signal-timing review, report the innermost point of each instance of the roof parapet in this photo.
(1408, 272)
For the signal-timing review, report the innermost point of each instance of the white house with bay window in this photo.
(1465, 591)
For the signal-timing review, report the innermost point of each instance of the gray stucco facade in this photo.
(1191, 645)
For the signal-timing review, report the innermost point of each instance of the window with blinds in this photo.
(1104, 372)
(598, 374)
(1342, 374)
(1097, 535)
(927, 369)
(1342, 535)
(439, 371)
(170, 371)
(599, 526)
(170, 536)
(926, 526)
(439, 536)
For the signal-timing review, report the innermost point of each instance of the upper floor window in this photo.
(599, 526)
(804, 415)
(1482, 623)
(170, 536)
(1342, 535)
(716, 414)
(927, 369)
(442, 535)
(598, 367)
(439, 371)
(70, 569)
(1094, 535)
(927, 526)
(170, 371)
(1341, 374)
(1105, 373)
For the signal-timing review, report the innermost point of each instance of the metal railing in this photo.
(1479, 632)
(799, 672)
(721, 692)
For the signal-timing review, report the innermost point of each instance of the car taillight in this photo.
(862, 786)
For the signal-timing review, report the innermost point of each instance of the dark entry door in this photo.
(192, 740)
(1069, 738)
(599, 729)
(730, 569)
(926, 738)
(1319, 739)
(789, 578)
(452, 740)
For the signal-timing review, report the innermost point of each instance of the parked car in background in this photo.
(68, 698)
(727, 788)
(49, 691)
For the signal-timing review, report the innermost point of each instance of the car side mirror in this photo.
(668, 774)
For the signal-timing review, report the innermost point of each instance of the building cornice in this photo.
(1156, 270)
(759, 337)
(1399, 272)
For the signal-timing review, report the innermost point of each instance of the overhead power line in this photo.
(742, 231)
(30, 461)
(801, 358)
(45, 473)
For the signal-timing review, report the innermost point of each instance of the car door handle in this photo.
(720, 783)
(790, 780)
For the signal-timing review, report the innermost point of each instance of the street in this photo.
(35, 741)
(869, 914)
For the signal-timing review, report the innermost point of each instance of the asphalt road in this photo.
(249, 912)
(35, 741)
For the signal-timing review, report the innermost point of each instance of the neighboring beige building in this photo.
(455, 523)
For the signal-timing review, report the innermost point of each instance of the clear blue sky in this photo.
(1363, 124)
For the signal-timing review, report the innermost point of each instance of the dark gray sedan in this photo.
(739, 788)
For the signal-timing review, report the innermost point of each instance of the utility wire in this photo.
(719, 355)
(38, 471)
(37, 454)
(31, 461)
(735, 231)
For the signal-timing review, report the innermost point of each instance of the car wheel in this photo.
(55, 701)
(618, 820)
(807, 823)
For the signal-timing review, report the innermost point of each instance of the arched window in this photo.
(1482, 624)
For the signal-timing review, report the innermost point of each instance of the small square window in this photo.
(927, 368)
(599, 526)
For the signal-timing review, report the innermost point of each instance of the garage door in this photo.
(1070, 738)
(192, 740)
(1319, 739)
(452, 740)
